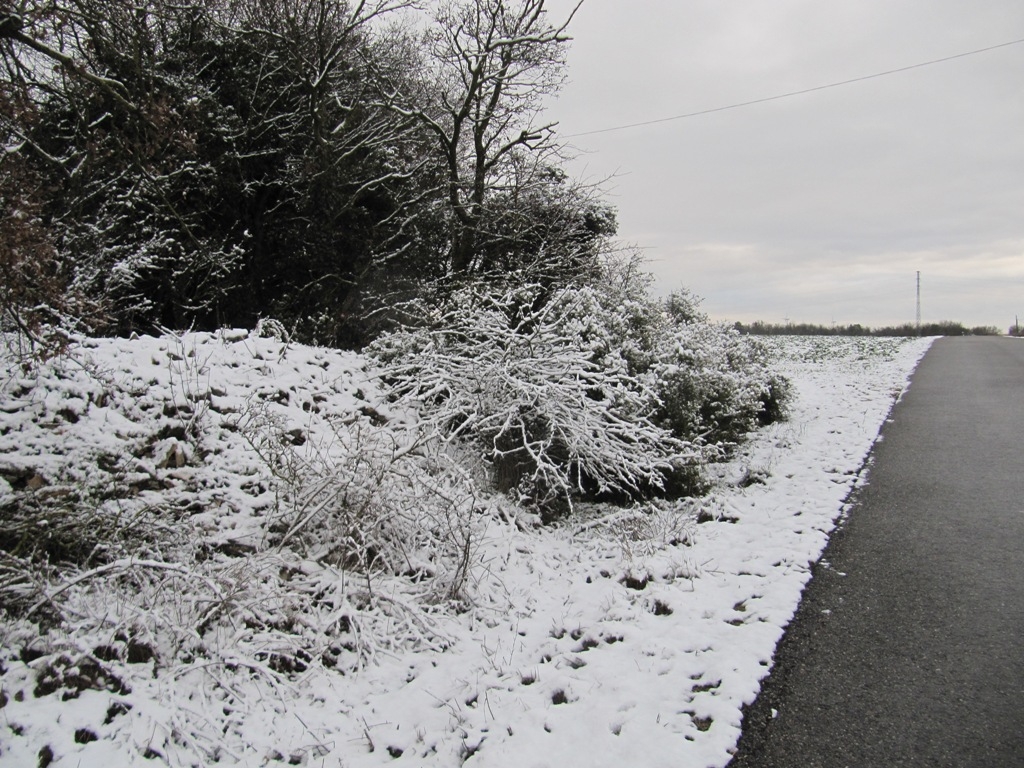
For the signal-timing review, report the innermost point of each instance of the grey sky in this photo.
(820, 207)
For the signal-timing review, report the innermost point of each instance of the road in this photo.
(908, 647)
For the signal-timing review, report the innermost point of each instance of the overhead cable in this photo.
(795, 93)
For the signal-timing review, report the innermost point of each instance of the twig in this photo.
(121, 565)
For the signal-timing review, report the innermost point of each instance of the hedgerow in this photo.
(592, 391)
(715, 385)
(541, 385)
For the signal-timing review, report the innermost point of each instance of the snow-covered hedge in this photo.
(541, 384)
(716, 385)
(580, 391)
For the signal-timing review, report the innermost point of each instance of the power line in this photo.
(795, 93)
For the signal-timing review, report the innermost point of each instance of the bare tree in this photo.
(492, 63)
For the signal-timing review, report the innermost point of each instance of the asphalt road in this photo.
(908, 648)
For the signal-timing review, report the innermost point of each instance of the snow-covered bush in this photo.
(714, 384)
(582, 390)
(367, 497)
(543, 383)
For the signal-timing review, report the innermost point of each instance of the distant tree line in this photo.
(945, 328)
(199, 164)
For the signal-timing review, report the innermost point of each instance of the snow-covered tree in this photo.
(116, 132)
(35, 299)
(326, 177)
(209, 163)
(213, 163)
(489, 64)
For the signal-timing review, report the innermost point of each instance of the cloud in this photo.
(819, 205)
(747, 282)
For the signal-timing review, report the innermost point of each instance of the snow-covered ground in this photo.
(615, 638)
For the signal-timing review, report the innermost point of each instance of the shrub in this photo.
(543, 384)
(593, 391)
(376, 499)
(715, 385)
(246, 507)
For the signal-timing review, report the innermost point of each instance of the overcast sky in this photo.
(820, 207)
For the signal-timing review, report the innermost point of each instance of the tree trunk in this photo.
(463, 249)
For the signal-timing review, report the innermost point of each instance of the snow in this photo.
(616, 637)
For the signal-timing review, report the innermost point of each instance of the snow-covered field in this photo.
(615, 638)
